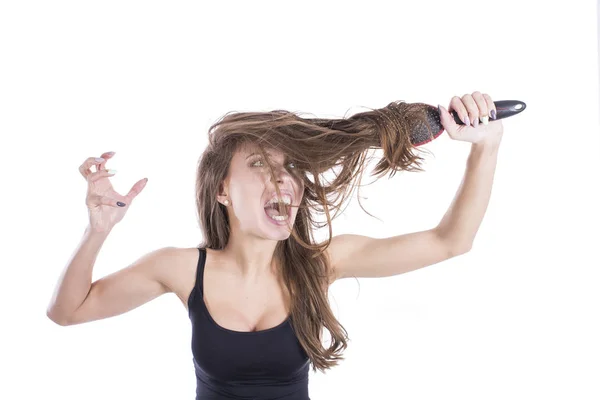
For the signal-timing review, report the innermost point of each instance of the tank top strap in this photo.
(199, 285)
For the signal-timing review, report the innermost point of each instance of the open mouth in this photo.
(279, 211)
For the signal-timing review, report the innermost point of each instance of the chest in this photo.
(244, 306)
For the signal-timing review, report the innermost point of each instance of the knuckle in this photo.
(457, 103)
(86, 164)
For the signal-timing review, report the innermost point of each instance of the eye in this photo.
(291, 164)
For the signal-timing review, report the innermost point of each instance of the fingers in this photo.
(482, 106)
(476, 107)
(84, 168)
(107, 201)
(99, 162)
(101, 172)
(136, 189)
(457, 105)
(106, 156)
(472, 109)
(490, 105)
(94, 176)
(448, 121)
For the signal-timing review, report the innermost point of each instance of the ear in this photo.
(223, 192)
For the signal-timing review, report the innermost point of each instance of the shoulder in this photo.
(173, 258)
(175, 267)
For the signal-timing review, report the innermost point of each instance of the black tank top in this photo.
(267, 364)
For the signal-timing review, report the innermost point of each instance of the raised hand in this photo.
(106, 207)
(478, 113)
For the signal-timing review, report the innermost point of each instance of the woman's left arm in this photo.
(363, 256)
(461, 222)
(464, 216)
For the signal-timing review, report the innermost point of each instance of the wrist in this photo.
(489, 145)
(96, 233)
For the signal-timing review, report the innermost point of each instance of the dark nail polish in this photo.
(493, 114)
(120, 204)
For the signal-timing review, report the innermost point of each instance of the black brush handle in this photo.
(421, 133)
(504, 109)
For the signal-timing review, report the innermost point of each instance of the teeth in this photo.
(286, 199)
(279, 217)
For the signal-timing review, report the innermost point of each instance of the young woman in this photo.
(256, 287)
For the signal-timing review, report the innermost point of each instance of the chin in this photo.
(276, 230)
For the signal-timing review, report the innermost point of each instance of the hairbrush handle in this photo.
(504, 109)
(424, 133)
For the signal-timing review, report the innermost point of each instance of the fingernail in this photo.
(493, 114)
(467, 121)
(485, 119)
(112, 153)
(111, 171)
(100, 159)
(120, 204)
(475, 122)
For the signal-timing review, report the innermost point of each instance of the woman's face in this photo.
(249, 187)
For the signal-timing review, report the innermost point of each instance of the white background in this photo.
(516, 318)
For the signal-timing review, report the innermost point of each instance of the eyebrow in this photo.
(258, 154)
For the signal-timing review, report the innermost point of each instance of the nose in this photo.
(281, 174)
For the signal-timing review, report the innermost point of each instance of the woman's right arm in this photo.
(77, 300)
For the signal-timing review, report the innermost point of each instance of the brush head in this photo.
(425, 130)
(430, 127)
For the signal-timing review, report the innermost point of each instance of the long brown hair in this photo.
(317, 146)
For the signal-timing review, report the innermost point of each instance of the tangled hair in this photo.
(316, 146)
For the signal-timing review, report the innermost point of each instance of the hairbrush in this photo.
(421, 133)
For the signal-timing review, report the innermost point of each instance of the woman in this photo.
(256, 287)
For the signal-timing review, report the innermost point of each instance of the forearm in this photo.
(465, 214)
(75, 281)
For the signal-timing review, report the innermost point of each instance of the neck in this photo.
(252, 257)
